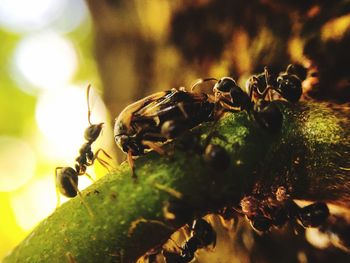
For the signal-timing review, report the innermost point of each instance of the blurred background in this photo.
(52, 49)
(47, 61)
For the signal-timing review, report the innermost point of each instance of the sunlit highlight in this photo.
(317, 238)
(23, 15)
(335, 28)
(46, 60)
(34, 202)
(17, 163)
(72, 15)
(62, 118)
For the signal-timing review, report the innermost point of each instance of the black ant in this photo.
(67, 177)
(266, 113)
(288, 84)
(149, 122)
(202, 235)
(268, 212)
(214, 155)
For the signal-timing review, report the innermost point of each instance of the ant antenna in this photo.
(88, 102)
(268, 87)
(266, 76)
(201, 81)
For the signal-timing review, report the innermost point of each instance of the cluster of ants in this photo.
(146, 124)
(153, 120)
(150, 122)
(263, 213)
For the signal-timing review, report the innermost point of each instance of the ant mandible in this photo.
(67, 177)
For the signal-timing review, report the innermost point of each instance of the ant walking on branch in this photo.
(67, 177)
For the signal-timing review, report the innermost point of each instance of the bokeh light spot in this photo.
(34, 202)
(23, 15)
(46, 60)
(17, 163)
(62, 118)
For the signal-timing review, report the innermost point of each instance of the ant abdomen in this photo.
(67, 179)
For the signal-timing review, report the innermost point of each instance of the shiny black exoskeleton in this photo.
(264, 214)
(159, 117)
(202, 235)
(217, 157)
(214, 155)
(67, 177)
(153, 120)
(266, 113)
(313, 215)
(288, 84)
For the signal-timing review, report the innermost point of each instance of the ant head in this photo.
(224, 85)
(204, 232)
(217, 157)
(290, 87)
(129, 144)
(92, 132)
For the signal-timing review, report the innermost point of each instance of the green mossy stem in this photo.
(310, 156)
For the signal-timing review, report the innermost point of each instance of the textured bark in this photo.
(310, 156)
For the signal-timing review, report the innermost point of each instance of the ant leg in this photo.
(105, 153)
(56, 185)
(251, 86)
(101, 161)
(154, 147)
(89, 176)
(182, 109)
(132, 165)
(200, 81)
(269, 87)
(228, 105)
(82, 198)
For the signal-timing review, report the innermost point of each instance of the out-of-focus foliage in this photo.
(46, 63)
